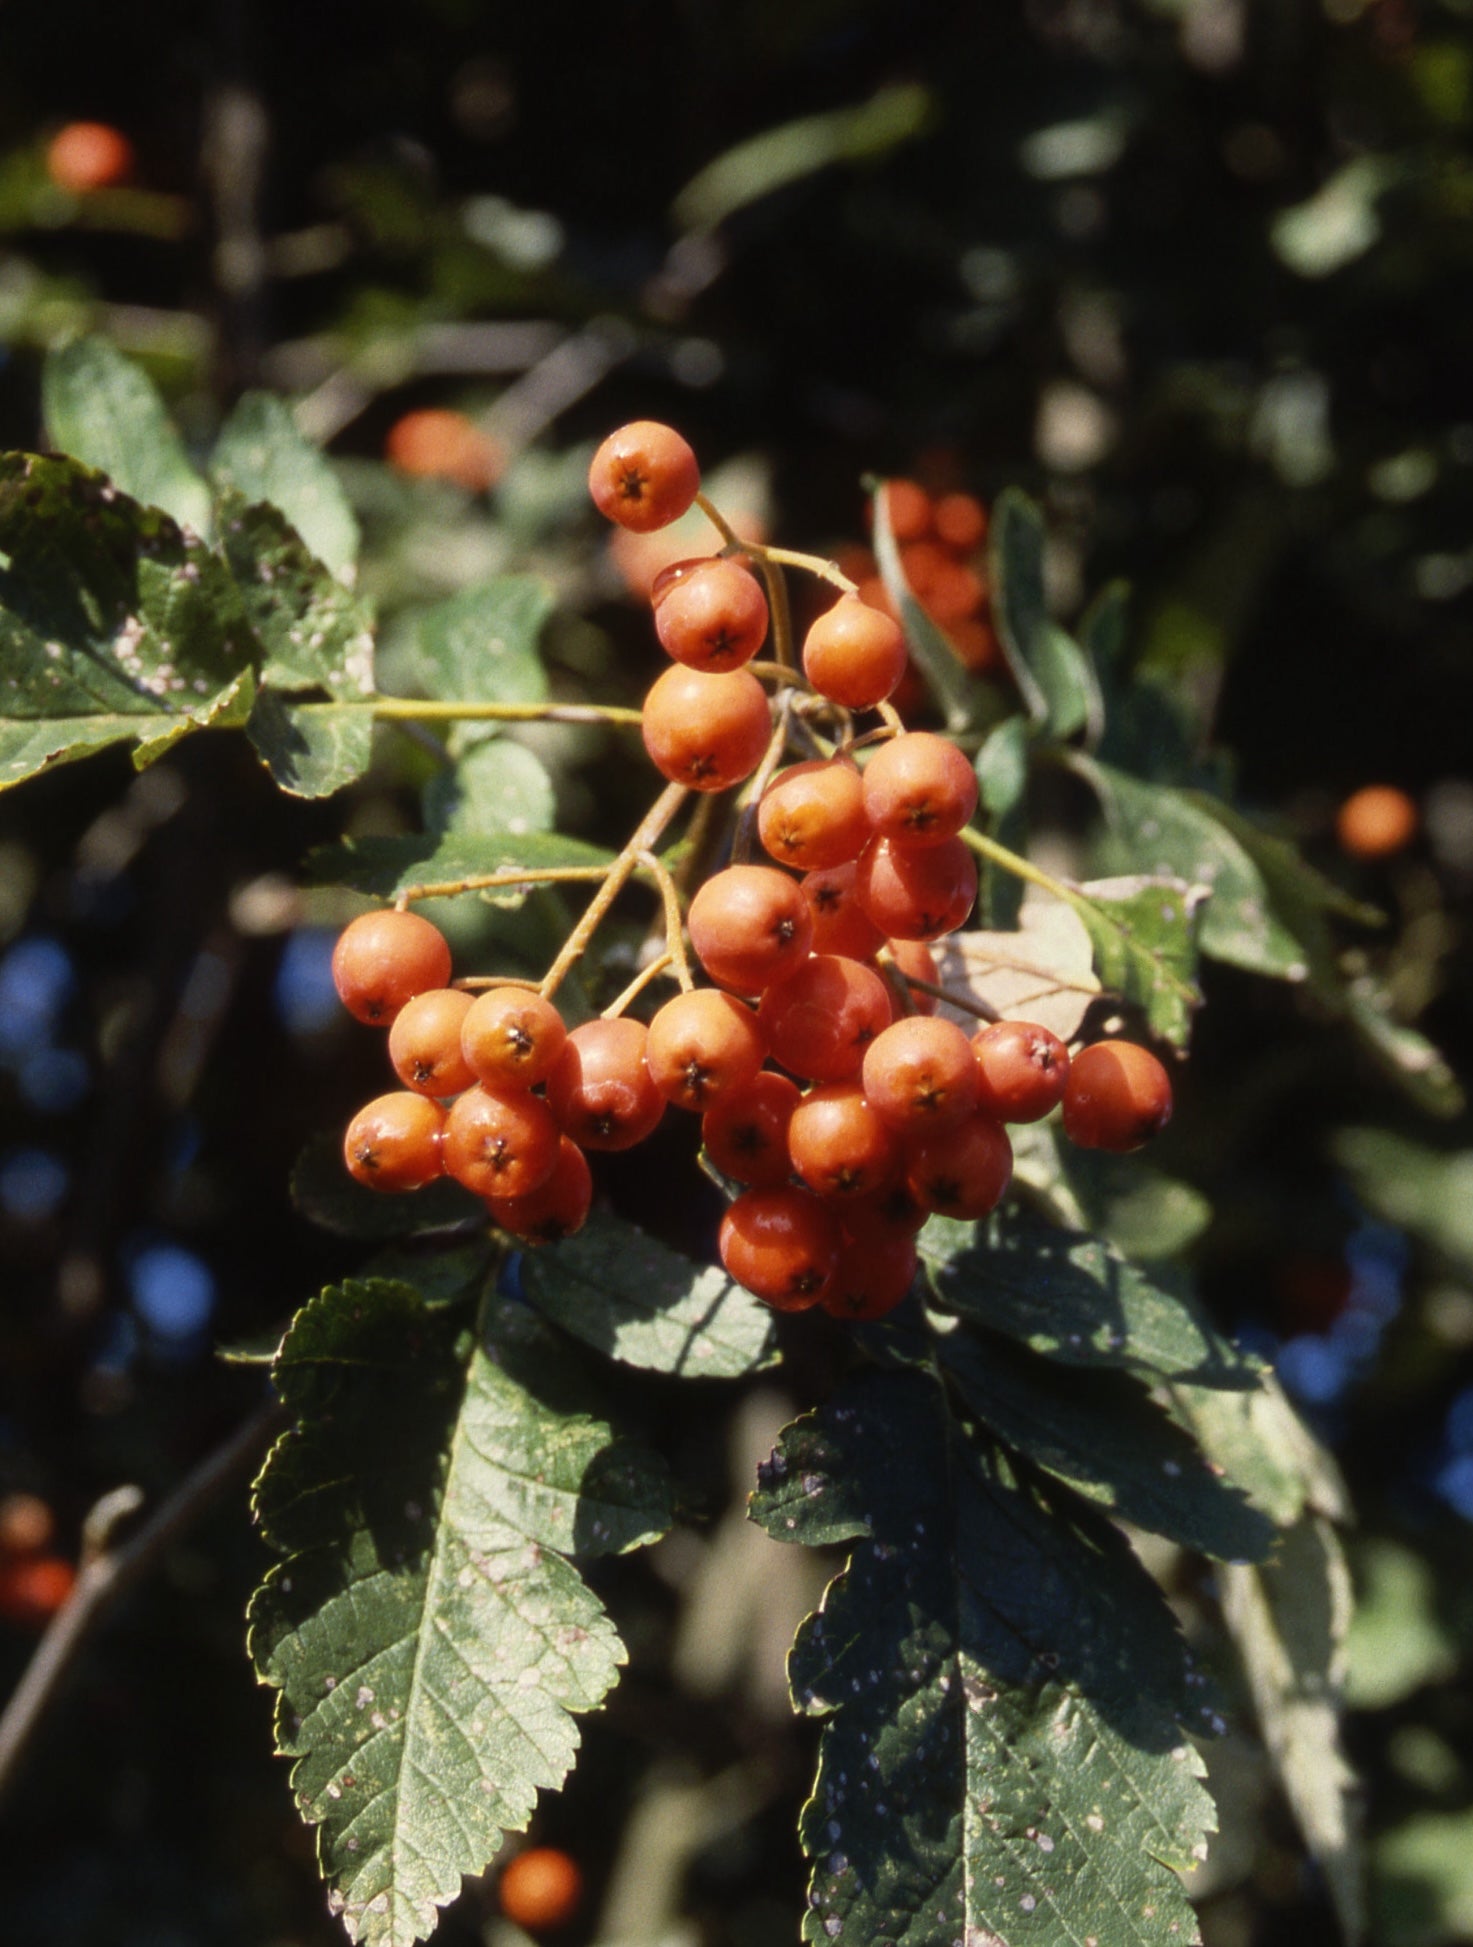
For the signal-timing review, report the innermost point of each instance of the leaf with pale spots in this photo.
(426, 1630)
(1144, 934)
(115, 624)
(647, 1305)
(262, 455)
(314, 633)
(1003, 1686)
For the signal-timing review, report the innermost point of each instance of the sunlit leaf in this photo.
(261, 454)
(105, 411)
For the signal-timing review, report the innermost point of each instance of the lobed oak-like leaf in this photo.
(1003, 1686)
(427, 1631)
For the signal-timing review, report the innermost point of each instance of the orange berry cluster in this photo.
(826, 1083)
(940, 540)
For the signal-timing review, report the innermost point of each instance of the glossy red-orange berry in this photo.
(710, 614)
(854, 655)
(916, 892)
(745, 1133)
(963, 1172)
(393, 1143)
(33, 1588)
(919, 788)
(500, 1143)
(424, 1042)
(1022, 1070)
(435, 443)
(541, 1889)
(384, 959)
(511, 1037)
(601, 1089)
(705, 731)
(840, 922)
(920, 1075)
(837, 1143)
(914, 960)
(782, 1245)
(701, 1046)
(820, 1020)
(812, 815)
(876, 1267)
(557, 1207)
(644, 476)
(1117, 1097)
(750, 925)
(85, 156)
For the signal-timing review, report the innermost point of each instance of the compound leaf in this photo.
(263, 456)
(115, 624)
(106, 412)
(1003, 1685)
(636, 1299)
(428, 1634)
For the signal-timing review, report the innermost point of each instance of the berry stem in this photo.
(484, 881)
(651, 826)
(675, 954)
(984, 1010)
(636, 987)
(411, 709)
(813, 564)
(1021, 868)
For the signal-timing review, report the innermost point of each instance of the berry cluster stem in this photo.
(642, 841)
(675, 954)
(488, 881)
(413, 709)
(644, 978)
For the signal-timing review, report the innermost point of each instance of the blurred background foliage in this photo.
(1198, 274)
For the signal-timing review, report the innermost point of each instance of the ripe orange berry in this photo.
(26, 1524)
(701, 1046)
(976, 644)
(424, 1042)
(710, 614)
(393, 1143)
(384, 959)
(1375, 822)
(782, 1245)
(877, 1264)
(820, 1020)
(511, 1037)
(840, 922)
(839, 1145)
(920, 1075)
(500, 1143)
(435, 443)
(1117, 1097)
(706, 731)
(955, 595)
(33, 1588)
(89, 155)
(916, 892)
(1022, 1070)
(601, 1090)
(644, 476)
(919, 788)
(914, 960)
(960, 521)
(541, 1889)
(557, 1207)
(908, 507)
(813, 814)
(854, 654)
(745, 1132)
(962, 1172)
(750, 925)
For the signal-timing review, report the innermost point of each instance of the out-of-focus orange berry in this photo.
(437, 444)
(1376, 821)
(85, 156)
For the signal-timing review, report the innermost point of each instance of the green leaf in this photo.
(479, 646)
(496, 786)
(1425, 1189)
(1424, 1880)
(1054, 674)
(1002, 1684)
(314, 633)
(1262, 1446)
(261, 454)
(386, 867)
(1398, 1640)
(637, 1300)
(323, 1191)
(946, 677)
(105, 411)
(1407, 1056)
(311, 749)
(1002, 778)
(1290, 1621)
(1148, 1216)
(426, 1630)
(114, 624)
(1101, 1434)
(1144, 936)
(1072, 1298)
